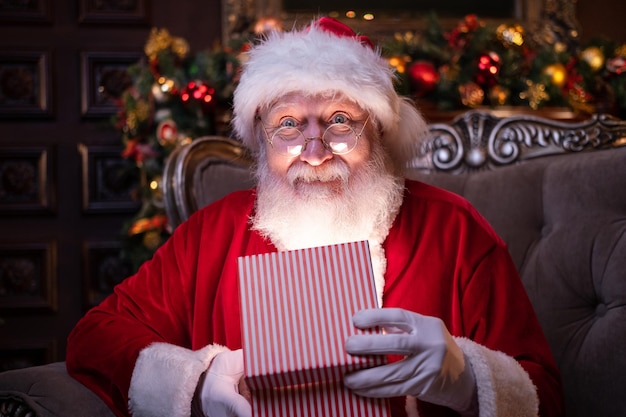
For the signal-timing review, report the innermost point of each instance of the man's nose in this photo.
(315, 151)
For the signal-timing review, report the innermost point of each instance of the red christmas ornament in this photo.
(199, 92)
(167, 132)
(488, 69)
(423, 77)
(616, 65)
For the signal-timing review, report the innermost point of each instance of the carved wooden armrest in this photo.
(15, 407)
(477, 140)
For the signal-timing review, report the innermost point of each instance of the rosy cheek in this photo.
(360, 155)
(278, 163)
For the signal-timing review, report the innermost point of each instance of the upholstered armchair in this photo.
(554, 190)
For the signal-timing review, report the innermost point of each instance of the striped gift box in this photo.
(297, 309)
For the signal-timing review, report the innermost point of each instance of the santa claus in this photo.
(318, 109)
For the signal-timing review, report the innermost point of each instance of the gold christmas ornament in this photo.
(594, 57)
(578, 100)
(557, 73)
(151, 239)
(180, 47)
(137, 115)
(471, 94)
(510, 34)
(143, 110)
(159, 40)
(560, 47)
(498, 95)
(535, 94)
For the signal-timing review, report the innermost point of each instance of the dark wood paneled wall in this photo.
(602, 18)
(61, 211)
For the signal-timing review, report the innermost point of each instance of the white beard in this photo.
(324, 205)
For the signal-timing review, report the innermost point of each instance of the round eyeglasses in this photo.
(339, 138)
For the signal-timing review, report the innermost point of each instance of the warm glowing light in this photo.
(368, 16)
(154, 184)
(165, 84)
(398, 63)
(351, 14)
(557, 73)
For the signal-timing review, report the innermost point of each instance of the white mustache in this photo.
(324, 173)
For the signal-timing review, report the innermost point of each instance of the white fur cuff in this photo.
(165, 378)
(504, 387)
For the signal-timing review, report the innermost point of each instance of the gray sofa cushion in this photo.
(564, 219)
(50, 392)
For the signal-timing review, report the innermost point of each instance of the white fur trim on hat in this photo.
(165, 378)
(314, 61)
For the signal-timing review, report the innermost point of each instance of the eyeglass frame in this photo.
(357, 137)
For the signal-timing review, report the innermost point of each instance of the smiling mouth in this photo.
(319, 180)
(319, 188)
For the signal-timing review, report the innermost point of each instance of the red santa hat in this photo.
(325, 57)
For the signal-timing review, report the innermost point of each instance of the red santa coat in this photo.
(162, 326)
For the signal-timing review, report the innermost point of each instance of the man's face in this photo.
(318, 197)
(313, 173)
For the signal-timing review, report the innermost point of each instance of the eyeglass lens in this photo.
(339, 138)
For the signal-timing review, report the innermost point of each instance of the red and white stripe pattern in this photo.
(297, 309)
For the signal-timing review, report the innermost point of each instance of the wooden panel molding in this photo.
(25, 87)
(108, 180)
(18, 353)
(28, 276)
(27, 183)
(104, 77)
(32, 11)
(129, 12)
(103, 269)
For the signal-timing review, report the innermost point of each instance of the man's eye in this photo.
(288, 123)
(339, 118)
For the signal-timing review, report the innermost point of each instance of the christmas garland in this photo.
(476, 64)
(172, 97)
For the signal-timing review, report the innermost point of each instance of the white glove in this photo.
(220, 395)
(434, 368)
